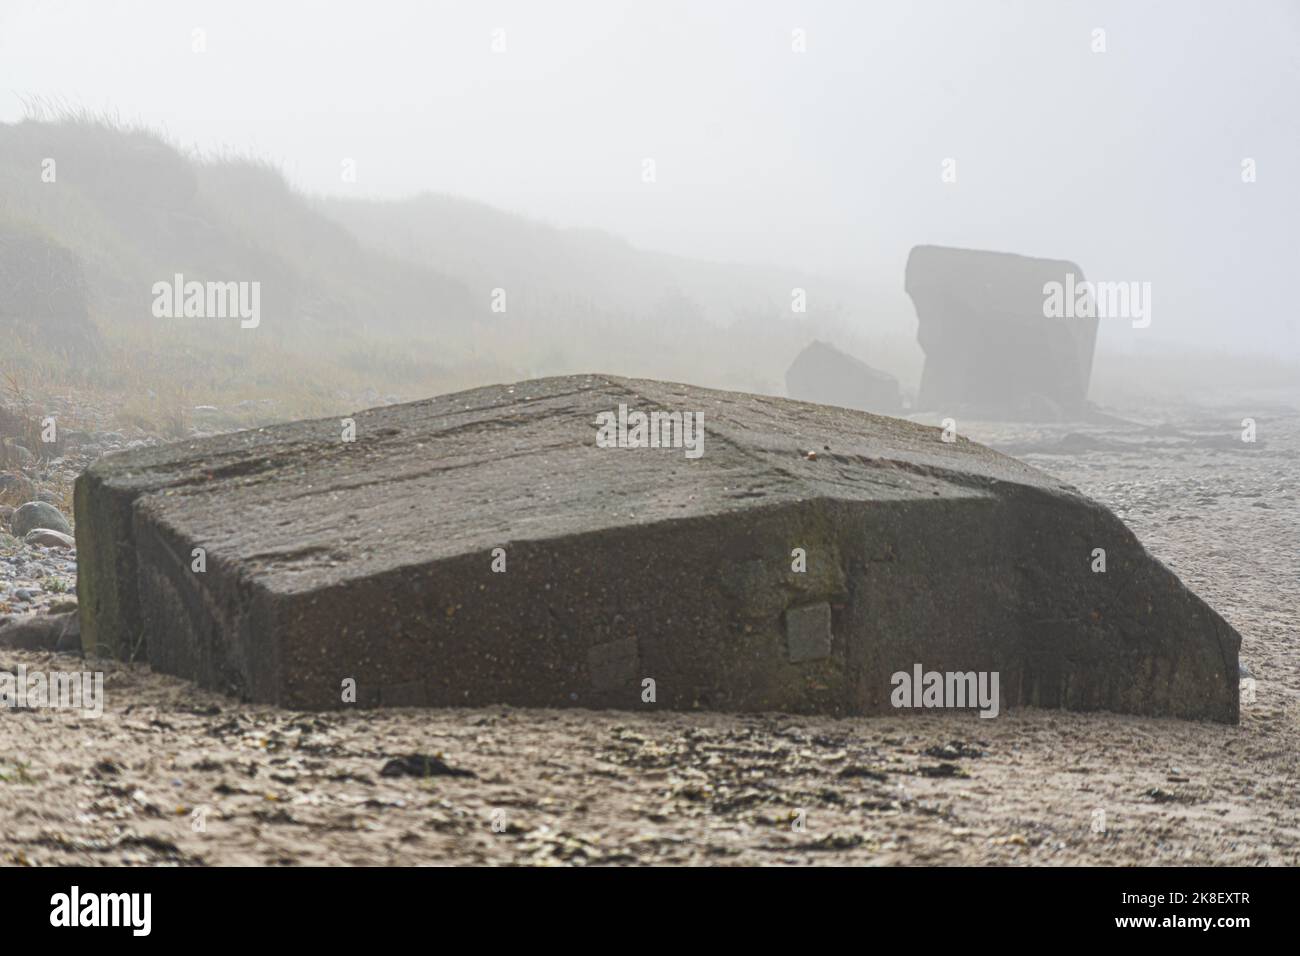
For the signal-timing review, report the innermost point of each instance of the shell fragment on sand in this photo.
(481, 547)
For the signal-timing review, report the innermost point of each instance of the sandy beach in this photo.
(170, 774)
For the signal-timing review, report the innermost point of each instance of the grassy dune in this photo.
(357, 297)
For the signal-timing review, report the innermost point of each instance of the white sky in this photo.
(1126, 161)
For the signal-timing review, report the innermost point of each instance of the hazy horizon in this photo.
(829, 161)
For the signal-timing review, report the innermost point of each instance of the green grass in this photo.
(20, 773)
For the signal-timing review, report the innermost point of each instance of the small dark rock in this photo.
(851, 772)
(942, 770)
(421, 765)
(834, 841)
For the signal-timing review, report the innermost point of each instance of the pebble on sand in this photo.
(49, 538)
(38, 514)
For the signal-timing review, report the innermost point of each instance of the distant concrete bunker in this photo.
(480, 548)
(990, 352)
(822, 373)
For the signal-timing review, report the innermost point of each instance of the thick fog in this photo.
(651, 432)
(1152, 142)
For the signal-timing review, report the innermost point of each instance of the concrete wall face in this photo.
(989, 349)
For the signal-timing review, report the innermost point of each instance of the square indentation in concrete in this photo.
(808, 632)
